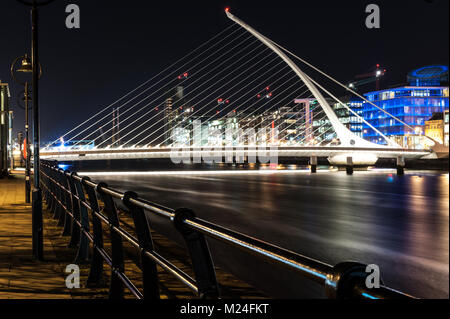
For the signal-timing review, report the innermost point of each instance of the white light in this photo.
(181, 173)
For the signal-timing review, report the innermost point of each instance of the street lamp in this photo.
(37, 222)
(25, 67)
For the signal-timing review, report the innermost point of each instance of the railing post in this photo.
(75, 231)
(313, 164)
(96, 271)
(143, 232)
(51, 202)
(116, 288)
(67, 203)
(202, 263)
(400, 165)
(60, 193)
(83, 247)
(349, 167)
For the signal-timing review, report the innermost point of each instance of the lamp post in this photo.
(37, 222)
(25, 68)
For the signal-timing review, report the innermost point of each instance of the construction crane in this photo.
(373, 76)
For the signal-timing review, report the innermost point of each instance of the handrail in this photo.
(71, 198)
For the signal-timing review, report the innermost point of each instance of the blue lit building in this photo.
(427, 93)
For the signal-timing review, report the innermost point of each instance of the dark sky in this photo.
(123, 43)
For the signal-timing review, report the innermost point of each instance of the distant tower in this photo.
(308, 118)
(172, 109)
(167, 120)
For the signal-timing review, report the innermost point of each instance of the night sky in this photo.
(121, 44)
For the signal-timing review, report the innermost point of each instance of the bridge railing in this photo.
(80, 204)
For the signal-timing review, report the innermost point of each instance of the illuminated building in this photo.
(323, 131)
(434, 128)
(175, 112)
(350, 120)
(446, 128)
(411, 104)
(5, 128)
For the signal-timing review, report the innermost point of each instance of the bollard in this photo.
(313, 164)
(400, 165)
(349, 167)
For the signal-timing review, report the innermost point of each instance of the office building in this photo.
(5, 128)
(426, 94)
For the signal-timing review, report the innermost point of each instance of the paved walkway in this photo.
(20, 276)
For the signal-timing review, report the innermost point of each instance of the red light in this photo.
(186, 75)
(270, 94)
(234, 111)
(268, 88)
(156, 109)
(179, 77)
(227, 101)
(378, 65)
(258, 96)
(227, 9)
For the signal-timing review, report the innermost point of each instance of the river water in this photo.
(400, 224)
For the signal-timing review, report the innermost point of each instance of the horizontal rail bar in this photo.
(327, 275)
(165, 264)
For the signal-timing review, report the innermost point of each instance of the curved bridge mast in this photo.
(347, 138)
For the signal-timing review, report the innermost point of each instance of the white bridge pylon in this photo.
(346, 137)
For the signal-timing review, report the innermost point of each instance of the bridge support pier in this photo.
(313, 164)
(400, 165)
(349, 167)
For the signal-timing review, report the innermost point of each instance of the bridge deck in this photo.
(166, 153)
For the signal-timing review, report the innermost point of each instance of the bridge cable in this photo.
(237, 99)
(336, 81)
(177, 84)
(198, 110)
(290, 79)
(146, 82)
(212, 76)
(164, 86)
(203, 100)
(175, 109)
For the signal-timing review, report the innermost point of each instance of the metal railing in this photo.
(79, 205)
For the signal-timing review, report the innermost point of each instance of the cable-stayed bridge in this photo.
(237, 95)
